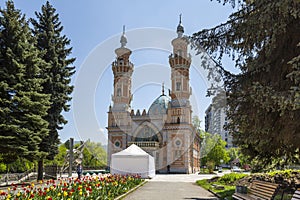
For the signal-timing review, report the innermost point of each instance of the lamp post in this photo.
(71, 156)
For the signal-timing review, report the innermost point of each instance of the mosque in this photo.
(165, 131)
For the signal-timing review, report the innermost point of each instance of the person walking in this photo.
(79, 170)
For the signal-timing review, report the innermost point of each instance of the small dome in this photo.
(180, 28)
(123, 40)
(160, 105)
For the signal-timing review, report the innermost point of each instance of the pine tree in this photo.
(22, 103)
(48, 31)
(263, 37)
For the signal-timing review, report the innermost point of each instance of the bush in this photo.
(205, 171)
(287, 179)
(2, 168)
(230, 179)
(210, 166)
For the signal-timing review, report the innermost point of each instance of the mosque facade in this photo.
(165, 130)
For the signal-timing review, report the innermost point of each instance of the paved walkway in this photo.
(173, 187)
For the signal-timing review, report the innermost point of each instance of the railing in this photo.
(9, 178)
(145, 144)
(122, 63)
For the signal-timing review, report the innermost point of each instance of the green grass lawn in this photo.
(229, 181)
(226, 193)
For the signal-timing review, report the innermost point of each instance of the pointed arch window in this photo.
(178, 86)
(119, 92)
(146, 134)
(179, 52)
(121, 61)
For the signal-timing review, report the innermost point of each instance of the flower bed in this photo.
(223, 186)
(93, 188)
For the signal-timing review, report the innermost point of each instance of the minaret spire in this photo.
(180, 18)
(180, 29)
(123, 40)
(163, 88)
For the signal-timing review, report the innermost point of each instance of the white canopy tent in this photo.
(133, 160)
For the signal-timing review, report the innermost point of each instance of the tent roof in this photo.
(132, 150)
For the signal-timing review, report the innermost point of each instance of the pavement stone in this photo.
(173, 187)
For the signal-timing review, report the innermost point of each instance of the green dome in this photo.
(160, 105)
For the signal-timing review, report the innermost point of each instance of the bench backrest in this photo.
(296, 195)
(263, 190)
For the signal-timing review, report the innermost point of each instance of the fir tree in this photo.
(263, 37)
(22, 103)
(48, 31)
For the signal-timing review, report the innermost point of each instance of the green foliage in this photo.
(94, 155)
(210, 166)
(18, 166)
(285, 173)
(262, 37)
(287, 179)
(22, 102)
(21, 165)
(2, 168)
(233, 153)
(227, 192)
(93, 188)
(213, 149)
(204, 171)
(197, 123)
(59, 159)
(57, 76)
(203, 183)
(230, 179)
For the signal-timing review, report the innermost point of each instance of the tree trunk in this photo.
(40, 169)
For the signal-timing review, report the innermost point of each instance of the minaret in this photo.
(122, 69)
(180, 62)
(119, 120)
(179, 121)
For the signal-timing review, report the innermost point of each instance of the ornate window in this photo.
(178, 143)
(146, 134)
(177, 154)
(119, 92)
(178, 120)
(121, 61)
(117, 144)
(178, 86)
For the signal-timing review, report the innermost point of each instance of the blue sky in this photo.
(95, 26)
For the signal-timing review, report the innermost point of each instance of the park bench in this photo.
(258, 190)
(296, 195)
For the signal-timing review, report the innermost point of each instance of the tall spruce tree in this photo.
(263, 37)
(22, 103)
(48, 31)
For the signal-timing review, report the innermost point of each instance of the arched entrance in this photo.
(149, 138)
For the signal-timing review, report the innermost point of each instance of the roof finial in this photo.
(163, 88)
(123, 40)
(180, 29)
(180, 18)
